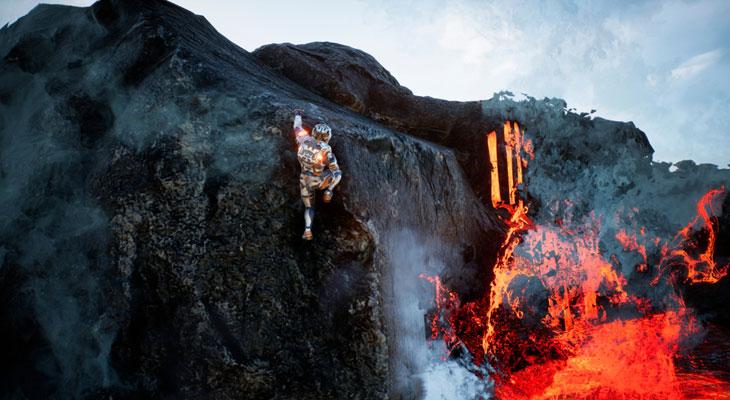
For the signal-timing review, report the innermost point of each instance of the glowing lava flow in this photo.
(559, 320)
(700, 264)
(601, 341)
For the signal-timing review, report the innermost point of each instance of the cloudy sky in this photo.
(663, 64)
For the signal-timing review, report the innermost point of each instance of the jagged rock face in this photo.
(151, 217)
(355, 80)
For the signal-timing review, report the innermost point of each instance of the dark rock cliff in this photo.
(151, 219)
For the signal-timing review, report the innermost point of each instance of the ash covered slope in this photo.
(151, 217)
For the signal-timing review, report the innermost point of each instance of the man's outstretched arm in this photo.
(299, 131)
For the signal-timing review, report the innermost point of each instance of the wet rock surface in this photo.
(151, 221)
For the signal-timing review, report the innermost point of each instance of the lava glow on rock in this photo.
(561, 319)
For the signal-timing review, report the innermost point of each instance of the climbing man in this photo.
(314, 154)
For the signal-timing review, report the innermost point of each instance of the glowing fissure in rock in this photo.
(496, 196)
(513, 149)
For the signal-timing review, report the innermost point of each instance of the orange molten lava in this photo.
(494, 175)
(561, 321)
(622, 346)
(513, 147)
(620, 359)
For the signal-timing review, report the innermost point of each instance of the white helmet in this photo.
(322, 132)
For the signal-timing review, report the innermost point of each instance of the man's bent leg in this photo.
(308, 200)
(329, 182)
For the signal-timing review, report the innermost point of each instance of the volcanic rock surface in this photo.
(151, 218)
(597, 165)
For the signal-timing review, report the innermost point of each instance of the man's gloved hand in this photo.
(325, 182)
